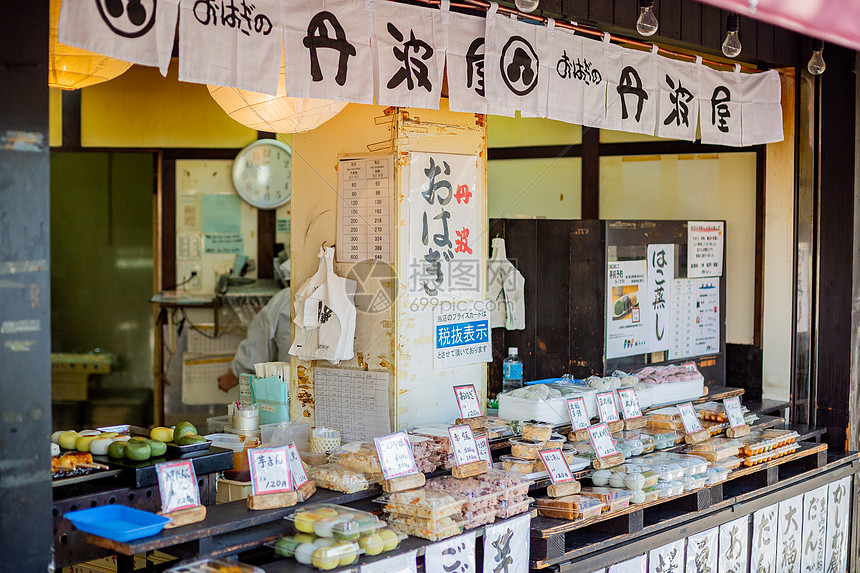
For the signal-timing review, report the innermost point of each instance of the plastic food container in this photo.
(648, 442)
(668, 471)
(670, 488)
(644, 495)
(536, 431)
(670, 414)
(335, 521)
(433, 531)
(337, 478)
(584, 450)
(507, 510)
(517, 465)
(635, 423)
(716, 475)
(691, 464)
(422, 503)
(526, 450)
(513, 486)
(214, 566)
(570, 507)
(617, 479)
(635, 445)
(624, 448)
(471, 519)
(612, 498)
(773, 454)
(634, 481)
(601, 477)
(729, 463)
(782, 437)
(695, 482)
(359, 457)
(117, 522)
(716, 449)
(480, 495)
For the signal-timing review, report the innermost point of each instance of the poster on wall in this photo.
(661, 273)
(444, 230)
(365, 186)
(461, 334)
(705, 242)
(626, 324)
(694, 318)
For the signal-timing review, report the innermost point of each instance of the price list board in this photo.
(365, 223)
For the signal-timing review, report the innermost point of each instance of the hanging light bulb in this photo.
(816, 63)
(527, 6)
(647, 23)
(732, 43)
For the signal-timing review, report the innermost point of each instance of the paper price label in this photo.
(464, 445)
(556, 465)
(177, 483)
(629, 404)
(297, 470)
(734, 412)
(689, 418)
(606, 407)
(467, 400)
(484, 449)
(270, 470)
(395, 455)
(601, 440)
(578, 416)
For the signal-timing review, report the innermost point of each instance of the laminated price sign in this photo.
(606, 407)
(464, 445)
(297, 470)
(467, 400)
(689, 418)
(734, 412)
(177, 483)
(270, 470)
(556, 465)
(601, 440)
(484, 449)
(578, 416)
(629, 404)
(395, 455)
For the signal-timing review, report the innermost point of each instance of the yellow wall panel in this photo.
(142, 109)
(55, 117)
(549, 188)
(517, 132)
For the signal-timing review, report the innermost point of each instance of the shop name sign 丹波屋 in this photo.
(495, 64)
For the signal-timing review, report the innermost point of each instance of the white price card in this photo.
(464, 445)
(689, 418)
(578, 417)
(606, 407)
(177, 483)
(395, 455)
(734, 412)
(556, 465)
(484, 449)
(467, 400)
(629, 404)
(297, 470)
(270, 470)
(601, 440)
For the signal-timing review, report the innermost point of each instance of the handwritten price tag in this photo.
(484, 449)
(734, 412)
(578, 416)
(467, 400)
(177, 483)
(689, 418)
(556, 465)
(601, 440)
(395, 455)
(297, 470)
(464, 445)
(606, 407)
(270, 470)
(629, 404)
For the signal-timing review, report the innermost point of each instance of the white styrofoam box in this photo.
(671, 393)
(552, 411)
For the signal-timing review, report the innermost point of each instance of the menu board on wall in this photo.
(626, 324)
(365, 186)
(695, 317)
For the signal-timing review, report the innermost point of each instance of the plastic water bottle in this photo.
(512, 371)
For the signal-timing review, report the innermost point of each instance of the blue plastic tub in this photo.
(117, 522)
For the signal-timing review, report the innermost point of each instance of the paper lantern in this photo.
(71, 68)
(278, 113)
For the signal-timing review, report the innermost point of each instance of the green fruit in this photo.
(157, 448)
(183, 429)
(117, 450)
(189, 439)
(138, 451)
(286, 546)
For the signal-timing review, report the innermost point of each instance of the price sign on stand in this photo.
(734, 412)
(606, 407)
(467, 400)
(270, 470)
(464, 445)
(601, 440)
(689, 418)
(484, 450)
(177, 483)
(578, 416)
(629, 404)
(395, 455)
(556, 465)
(297, 470)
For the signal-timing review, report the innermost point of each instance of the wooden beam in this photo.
(590, 173)
(71, 119)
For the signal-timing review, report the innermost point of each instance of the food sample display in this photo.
(481, 498)
(612, 498)
(535, 431)
(716, 449)
(338, 478)
(571, 507)
(426, 453)
(424, 513)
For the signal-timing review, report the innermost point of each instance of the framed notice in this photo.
(365, 187)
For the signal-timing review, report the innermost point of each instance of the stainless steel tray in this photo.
(141, 431)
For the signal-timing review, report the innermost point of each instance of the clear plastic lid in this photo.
(432, 530)
(338, 478)
(584, 449)
(422, 502)
(714, 445)
(535, 431)
(335, 521)
(605, 494)
(507, 510)
(357, 456)
(481, 495)
(505, 480)
(576, 502)
(668, 414)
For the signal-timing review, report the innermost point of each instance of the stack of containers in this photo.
(426, 453)
(424, 513)
(481, 498)
(514, 489)
(444, 451)
(766, 445)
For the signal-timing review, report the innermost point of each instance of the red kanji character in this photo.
(462, 242)
(463, 194)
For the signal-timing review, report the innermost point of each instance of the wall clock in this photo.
(262, 173)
